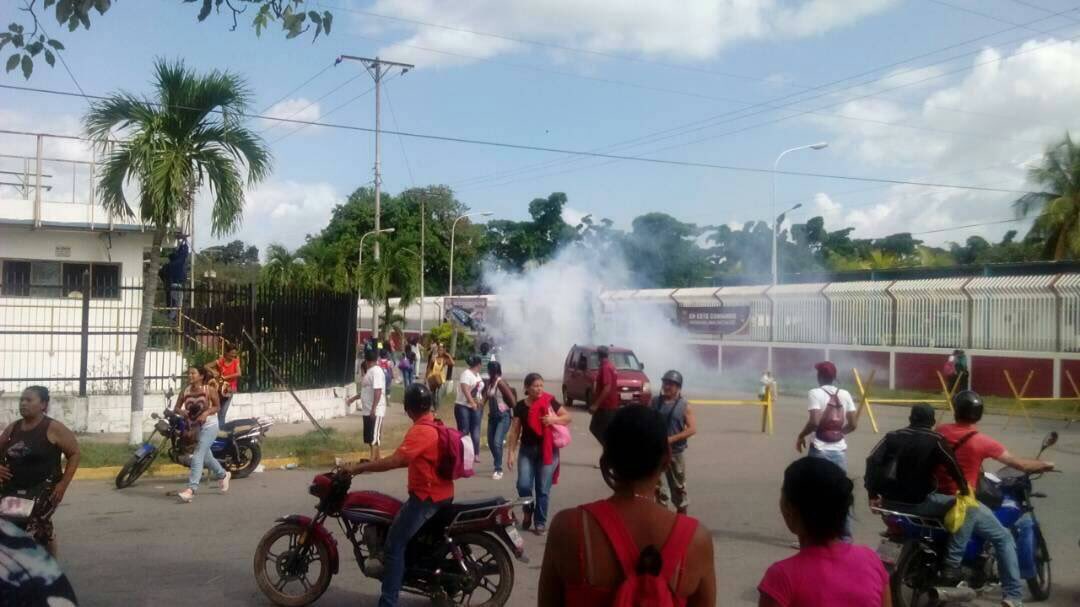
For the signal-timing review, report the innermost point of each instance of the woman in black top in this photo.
(30, 450)
(537, 461)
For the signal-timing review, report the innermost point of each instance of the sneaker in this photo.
(526, 520)
(1012, 603)
(497, 476)
(476, 459)
(223, 482)
(186, 495)
(539, 530)
(951, 576)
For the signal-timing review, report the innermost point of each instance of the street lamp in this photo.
(772, 208)
(359, 267)
(453, 228)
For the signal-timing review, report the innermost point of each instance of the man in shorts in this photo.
(372, 401)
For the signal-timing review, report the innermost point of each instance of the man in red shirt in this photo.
(427, 490)
(970, 448)
(605, 395)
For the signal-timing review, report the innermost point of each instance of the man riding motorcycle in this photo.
(428, 492)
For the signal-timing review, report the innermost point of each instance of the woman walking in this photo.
(30, 449)
(500, 401)
(198, 402)
(468, 405)
(537, 459)
(815, 500)
(407, 366)
(593, 550)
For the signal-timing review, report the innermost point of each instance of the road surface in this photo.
(139, 547)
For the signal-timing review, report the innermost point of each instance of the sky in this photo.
(959, 92)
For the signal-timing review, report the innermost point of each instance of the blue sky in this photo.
(977, 126)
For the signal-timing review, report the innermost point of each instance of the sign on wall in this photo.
(468, 312)
(715, 320)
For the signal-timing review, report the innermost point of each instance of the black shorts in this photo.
(373, 429)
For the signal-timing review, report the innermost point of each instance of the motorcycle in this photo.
(913, 547)
(236, 446)
(459, 557)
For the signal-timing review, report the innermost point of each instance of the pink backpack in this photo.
(830, 428)
(456, 455)
(648, 573)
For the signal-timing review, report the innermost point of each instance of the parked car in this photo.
(582, 365)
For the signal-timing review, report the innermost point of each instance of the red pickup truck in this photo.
(582, 364)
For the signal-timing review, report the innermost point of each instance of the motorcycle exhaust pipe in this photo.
(952, 594)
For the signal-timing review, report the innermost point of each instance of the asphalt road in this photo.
(140, 547)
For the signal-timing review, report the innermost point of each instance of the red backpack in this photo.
(831, 427)
(456, 456)
(648, 573)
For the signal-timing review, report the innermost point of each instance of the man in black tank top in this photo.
(30, 450)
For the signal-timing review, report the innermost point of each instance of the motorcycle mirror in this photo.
(154, 416)
(1050, 440)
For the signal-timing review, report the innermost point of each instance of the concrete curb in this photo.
(167, 470)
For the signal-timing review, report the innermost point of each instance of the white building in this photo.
(52, 233)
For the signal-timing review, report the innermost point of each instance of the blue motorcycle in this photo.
(913, 547)
(236, 446)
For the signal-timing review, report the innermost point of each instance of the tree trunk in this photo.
(142, 338)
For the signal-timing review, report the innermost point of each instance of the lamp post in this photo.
(453, 229)
(359, 288)
(772, 208)
(418, 256)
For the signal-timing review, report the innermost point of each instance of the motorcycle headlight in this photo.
(162, 426)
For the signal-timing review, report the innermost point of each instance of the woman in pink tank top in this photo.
(827, 571)
(594, 550)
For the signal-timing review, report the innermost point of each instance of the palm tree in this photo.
(395, 273)
(285, 268)
(189, 136)
(1058, 204)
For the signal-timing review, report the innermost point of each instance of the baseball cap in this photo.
(826, 368)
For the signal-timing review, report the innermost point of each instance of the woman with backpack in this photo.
(815, 501)
(540, 427)
(407, 366)
(627, 549)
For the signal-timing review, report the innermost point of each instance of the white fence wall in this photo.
(931, 313)
(1068, 289)
(755, 298)
(1013, 313)
(799, 312)
(860, 313)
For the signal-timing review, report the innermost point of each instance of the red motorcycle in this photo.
(460, 557)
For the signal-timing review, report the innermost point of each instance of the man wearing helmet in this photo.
(970, 448)
(428, 492)
(680, 426)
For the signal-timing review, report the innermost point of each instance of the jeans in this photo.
(175, 294)
(408, 376)
(202, 455)
(412, 516)
(468, 422)
(982, 522)
(838, 457)
(498, 426)
(534, 480)
(225, 402)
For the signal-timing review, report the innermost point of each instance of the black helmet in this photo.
(968, 406)
(673, 377)
(472, 360)
(418, 398)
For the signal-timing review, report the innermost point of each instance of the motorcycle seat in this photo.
(464, 505)
(449, 512)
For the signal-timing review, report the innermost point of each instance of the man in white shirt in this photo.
(372, 401)
(831, 418)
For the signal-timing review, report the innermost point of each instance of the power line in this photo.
(311, 103)
(659, 135)
(302, 85)
(533, 148)
(964, 227)
(401, 142)
(977, 13)
(323, 116)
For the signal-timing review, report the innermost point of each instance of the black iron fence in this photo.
(77, 335)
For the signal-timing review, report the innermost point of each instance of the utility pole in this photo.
(378, 69)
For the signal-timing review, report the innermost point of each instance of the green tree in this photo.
(1058, 204)
(72, 14)
(395, 274)
(188, 137)
(514, 245)
(664, 252)
(285, 269)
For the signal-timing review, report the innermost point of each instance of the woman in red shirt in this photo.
(226, 369)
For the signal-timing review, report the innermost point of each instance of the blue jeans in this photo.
(225, 402)
(202, 455)
(468, 422)
(498, 426)
(408, 376)
(412, 516)
(534, 480)
(838, 457)
(982, 522)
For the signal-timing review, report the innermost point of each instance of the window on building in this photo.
(33, 278)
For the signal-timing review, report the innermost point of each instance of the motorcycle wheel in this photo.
(250, 456)
(491, 573)
(1040, 584)
(910, 582)
(132, 470)
(276, 571)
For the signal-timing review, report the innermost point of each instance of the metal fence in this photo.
(80, 338)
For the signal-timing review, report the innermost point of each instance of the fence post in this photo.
(84, 342)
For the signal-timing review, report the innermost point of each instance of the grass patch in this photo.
(96, 454)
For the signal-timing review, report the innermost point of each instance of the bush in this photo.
(443, 334)
(201, 357)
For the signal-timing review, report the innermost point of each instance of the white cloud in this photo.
(298, 108)
(277, 212)
(572, 216)
(981, 129)
(693, 30)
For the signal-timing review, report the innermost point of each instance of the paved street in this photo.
(139, 547)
